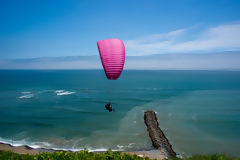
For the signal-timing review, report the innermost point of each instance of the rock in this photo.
(159, 140)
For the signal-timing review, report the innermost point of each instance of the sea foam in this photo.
(63, 92)
(46, 145)
(26, 96)
(17, 143)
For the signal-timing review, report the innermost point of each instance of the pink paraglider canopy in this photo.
(112, 53)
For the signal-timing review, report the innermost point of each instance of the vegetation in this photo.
(85, 155)
(207, 157)
(81, 155)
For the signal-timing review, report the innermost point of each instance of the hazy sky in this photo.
(48, 28)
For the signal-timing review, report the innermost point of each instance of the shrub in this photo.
(63, 155)
(85, 155)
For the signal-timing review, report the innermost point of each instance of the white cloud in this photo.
(223, 37)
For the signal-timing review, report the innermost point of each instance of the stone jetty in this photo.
(159, 140)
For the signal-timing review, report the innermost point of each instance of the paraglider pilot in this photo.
(109, 107)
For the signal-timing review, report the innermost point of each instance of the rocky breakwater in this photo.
(159, 140)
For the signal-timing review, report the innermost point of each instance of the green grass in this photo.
(85, 155)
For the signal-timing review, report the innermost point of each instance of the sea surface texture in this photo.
(199, 111)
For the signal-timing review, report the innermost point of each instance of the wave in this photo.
(63, 92)
(46, 145)
(59, 91)
(26, 96)
(23, 142)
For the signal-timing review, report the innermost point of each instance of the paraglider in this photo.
(109, 107)
(112, 54)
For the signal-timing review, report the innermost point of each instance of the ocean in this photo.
(199, 111)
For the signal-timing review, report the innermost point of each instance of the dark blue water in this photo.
(198, 110)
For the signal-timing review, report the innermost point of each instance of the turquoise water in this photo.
(198, 110)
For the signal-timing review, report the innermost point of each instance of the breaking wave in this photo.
(63, 92)
(46, 145)
(26, 95)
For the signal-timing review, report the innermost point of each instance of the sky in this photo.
(56, 28)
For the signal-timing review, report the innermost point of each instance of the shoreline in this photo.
(163, 149)
(25, 149)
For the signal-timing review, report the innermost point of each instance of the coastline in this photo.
(25, 149)
(163, 148)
